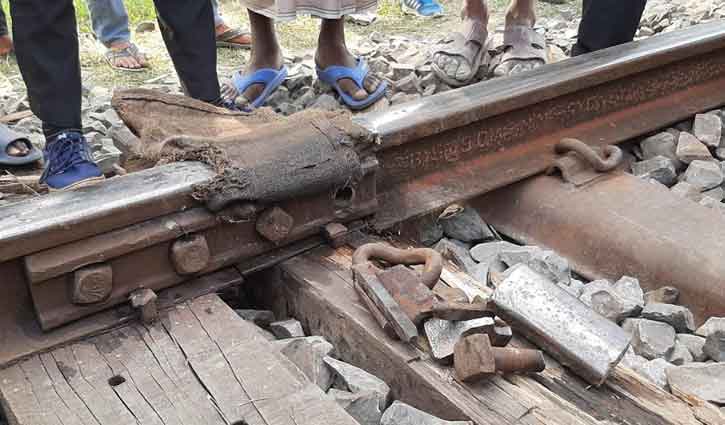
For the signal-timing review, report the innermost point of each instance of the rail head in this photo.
(457, 108)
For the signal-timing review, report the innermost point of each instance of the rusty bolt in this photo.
(190, 254)
(336, 234)
(144, 300)
(475, 359)
(92, 284)
(274, 224)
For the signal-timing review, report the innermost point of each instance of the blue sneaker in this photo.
(68, 163)
(428, 8)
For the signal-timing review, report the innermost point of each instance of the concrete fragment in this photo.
(362, 406)
(629, 289)
(402, 70)
(464, 224)
(703, 175)
(290, 328)
(632, 360)
(704, 380)
(356, 380)
(676, 315)
(680, 355)
(712, 324)
(715, 346)
(605, 300)
(629, 324)
(690, 149)
(694, 344)
(488, 251)
(547, 263)
(402, 414)
(661, 144)
(592, 287)
(652, 339)
(308, 354)
(427, 230)
(665, 294)
(443, 334)
(708, 129)
(456, 252)
(717, 194)
(658, 168)
(261, 318)
(656, 371)
(686, 190)
(327, 102)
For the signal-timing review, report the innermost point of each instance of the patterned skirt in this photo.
(325, 9)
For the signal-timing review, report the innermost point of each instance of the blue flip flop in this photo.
(333, 74)
(271, 78)
(7, 137)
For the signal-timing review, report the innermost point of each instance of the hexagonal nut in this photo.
(190, 254)
(274, 224)
(92, 284)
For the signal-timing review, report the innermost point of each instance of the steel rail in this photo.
(463, 143)
(446, 148)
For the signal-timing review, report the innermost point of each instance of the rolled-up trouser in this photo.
(46, 44)
(607, 23)
(109, 20)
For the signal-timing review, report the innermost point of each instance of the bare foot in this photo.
(340, 56)
(6, 45)
(125, 55)
(244, 39)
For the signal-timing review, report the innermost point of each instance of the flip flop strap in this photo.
(260, 76)
(522, 42)
(357, 74)
(130, 51)
(231, 34)
(455, 43)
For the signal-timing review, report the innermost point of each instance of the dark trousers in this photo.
(607, 23)
(3, 22)
(46, 47)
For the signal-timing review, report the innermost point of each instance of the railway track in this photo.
(70, 261)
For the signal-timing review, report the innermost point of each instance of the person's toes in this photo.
(352, 89)
(451, 68)
(371, 83)
(142, 61)
(18, 149)
(463, 72)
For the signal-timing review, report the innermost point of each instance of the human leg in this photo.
(524, 49)
(47, 52)
(607, 23)
(458, 58)
(187, 27)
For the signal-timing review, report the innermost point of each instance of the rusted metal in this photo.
(366, 280)
(463, 143)
(620, 225)
(190, 254)
(144, 301)
(414, 298)
(274, 224)
(475, 359)
(610, 158)
(430, 258)
(92, 284)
